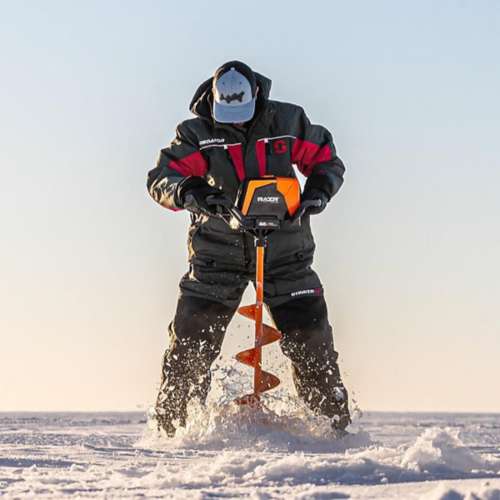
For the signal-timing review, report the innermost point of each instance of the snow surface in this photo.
(227, 451)
(232, 453)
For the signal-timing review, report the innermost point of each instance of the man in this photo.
(238, 133)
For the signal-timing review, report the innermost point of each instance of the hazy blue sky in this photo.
(408, 251)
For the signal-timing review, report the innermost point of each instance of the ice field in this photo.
(230, 453)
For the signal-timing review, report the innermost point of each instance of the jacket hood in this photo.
(201, 104)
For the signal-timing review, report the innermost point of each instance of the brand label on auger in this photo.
(268, 199)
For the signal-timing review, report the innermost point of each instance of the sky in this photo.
(407, 251)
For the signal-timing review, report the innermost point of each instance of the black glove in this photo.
(313, 201)
(192, 194)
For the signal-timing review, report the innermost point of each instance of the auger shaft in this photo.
(259, 305)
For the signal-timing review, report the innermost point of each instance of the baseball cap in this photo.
(234, 88)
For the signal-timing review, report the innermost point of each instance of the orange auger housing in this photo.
(264, 204)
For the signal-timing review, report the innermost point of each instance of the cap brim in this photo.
(227, 113)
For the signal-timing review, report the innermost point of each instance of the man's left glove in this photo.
(313, 201)
(196, 195)
(316, 195)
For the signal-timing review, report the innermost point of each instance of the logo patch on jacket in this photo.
(307, 292)
(213, 140)
(280, 147)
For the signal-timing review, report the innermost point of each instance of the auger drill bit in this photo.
(264, 335)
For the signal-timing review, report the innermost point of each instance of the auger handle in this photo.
(229, 207)
(240, 218)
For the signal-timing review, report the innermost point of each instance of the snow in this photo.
(233, 452)
(282, 451)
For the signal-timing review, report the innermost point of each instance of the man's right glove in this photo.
(192, 194)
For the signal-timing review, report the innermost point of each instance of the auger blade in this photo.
(269, 335)
(247, 311)
(267, 382)
(250, 357)
(247, 357)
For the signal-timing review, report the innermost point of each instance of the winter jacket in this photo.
(279, 136)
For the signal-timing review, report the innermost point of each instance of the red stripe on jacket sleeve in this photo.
(260, 153)
(306, 155)
(236, 153)
(193, 164)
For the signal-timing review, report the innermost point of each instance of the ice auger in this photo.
(263, 204)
